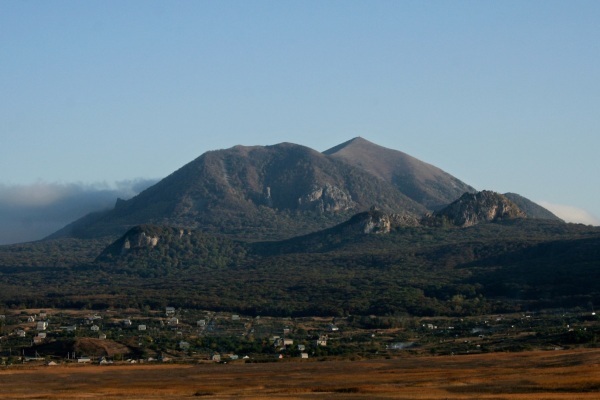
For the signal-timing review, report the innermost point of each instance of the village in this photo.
(54, 336)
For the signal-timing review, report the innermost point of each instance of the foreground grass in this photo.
(569, 374)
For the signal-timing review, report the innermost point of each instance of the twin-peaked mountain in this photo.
(282, 191)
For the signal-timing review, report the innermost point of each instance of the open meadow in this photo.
(561, 374)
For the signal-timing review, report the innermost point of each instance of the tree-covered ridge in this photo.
(508, 265)
(151, 250)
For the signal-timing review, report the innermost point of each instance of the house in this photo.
(303, 355)
(333, 328)
(84, 360)
(322, 340)
(201, 322)
(20, 333)
(141, 327)
(95, 328)
(286, 331)
(42, 325)
(170, 311)
(173, 321)
(42, 335)
(31, 318)
(43, 315)
(216, 357)
(235, 317)
(92, 318)
(70, 328)
(102, 336)
(38, 339)
(288, 342)
(301, 347)
(127, 322)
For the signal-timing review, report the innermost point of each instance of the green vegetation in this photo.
(495, 267)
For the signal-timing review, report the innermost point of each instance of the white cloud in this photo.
(571, 214)
(31, 212)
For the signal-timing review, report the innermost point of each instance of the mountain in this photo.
(422, 182)
(530, 208)
(474, 208)
(282, 191)
(253, 193)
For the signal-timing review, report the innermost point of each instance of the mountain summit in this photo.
(424, 183)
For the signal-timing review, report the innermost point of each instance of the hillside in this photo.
(252, 193)
(374, 263)
(424, 183)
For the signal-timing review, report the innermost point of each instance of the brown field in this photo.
(565, 374)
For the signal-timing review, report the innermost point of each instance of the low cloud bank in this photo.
(571, 214)
(31, 212)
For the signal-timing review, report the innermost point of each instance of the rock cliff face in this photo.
(327, 198)
(378, 222)
(474, 208)
(138, 240)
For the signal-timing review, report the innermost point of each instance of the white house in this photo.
(322, 340)
(170, 310)
(141, 327)
(173, 321)
(303, 355)
(95, 328)
(42, 325)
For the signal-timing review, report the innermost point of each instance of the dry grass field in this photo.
(565, 374)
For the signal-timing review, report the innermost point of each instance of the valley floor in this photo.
(557, 374)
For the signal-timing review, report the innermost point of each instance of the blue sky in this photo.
(503, 95)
